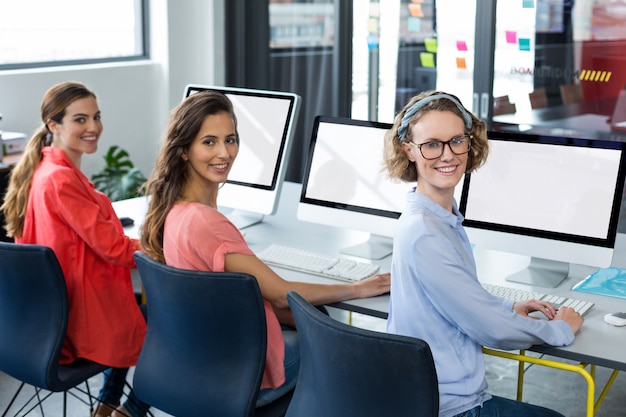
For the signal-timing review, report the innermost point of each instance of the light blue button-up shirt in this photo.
(436, 296)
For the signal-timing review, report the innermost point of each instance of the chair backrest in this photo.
(538, 98)
(33, 314)
(502, 105)
(204, 352)
(571, 93)
(348, 371)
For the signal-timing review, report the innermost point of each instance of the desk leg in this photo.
(520, 377)
(579, 369)
(592, 373)
(606, 389)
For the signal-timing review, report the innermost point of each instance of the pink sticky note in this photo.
(511, 36)
(461, 45)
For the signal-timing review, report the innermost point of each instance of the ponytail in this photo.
(16, 198)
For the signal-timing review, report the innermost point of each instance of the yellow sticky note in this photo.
(372, 25)
(427, 60)
(431, 45)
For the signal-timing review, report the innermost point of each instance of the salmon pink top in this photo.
(198, 237)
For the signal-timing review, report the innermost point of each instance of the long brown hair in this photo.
(168, 178)
(53, 105)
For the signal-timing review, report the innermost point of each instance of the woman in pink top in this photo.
(184, 229)
(50, 202)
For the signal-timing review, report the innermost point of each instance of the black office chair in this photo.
(33, 320)
(348, 371)
(204, 352)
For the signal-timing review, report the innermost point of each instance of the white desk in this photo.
(136, 209)
(597, 343)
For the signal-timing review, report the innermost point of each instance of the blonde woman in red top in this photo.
(50, 202)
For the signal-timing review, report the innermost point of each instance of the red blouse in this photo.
(66, 213)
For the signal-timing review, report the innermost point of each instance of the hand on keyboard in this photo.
(316, 263)
(541, 309)
(516, 294)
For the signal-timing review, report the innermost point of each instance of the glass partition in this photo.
(403, 47)
(559, 68)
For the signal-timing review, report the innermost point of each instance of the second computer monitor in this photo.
(346, 186)
(554, 199)
(266, 122)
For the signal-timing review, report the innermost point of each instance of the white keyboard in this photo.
(516, 294)
(317, 263)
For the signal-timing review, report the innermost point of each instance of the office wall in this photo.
(135, 98)
(130, 104)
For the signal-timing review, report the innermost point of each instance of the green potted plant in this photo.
(119, 179)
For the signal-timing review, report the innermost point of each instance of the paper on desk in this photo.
(605, 281)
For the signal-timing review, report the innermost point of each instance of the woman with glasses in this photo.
(435, 292)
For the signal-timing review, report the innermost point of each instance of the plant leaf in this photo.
(119, 179)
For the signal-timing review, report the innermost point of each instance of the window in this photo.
(38, 33)
(301, 24)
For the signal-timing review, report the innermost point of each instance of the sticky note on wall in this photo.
(427, 60)
(511, 36)
(431, 45)
(414, 24)
(461, 63)
(415, 10)
(461, 45)
(524, 44)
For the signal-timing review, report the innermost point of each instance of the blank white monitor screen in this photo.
(552, 198)
(266, 123)
(346, 186)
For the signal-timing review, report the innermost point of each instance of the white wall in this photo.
(135, 98)
(196, 52)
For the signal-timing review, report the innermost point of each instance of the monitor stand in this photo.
(243, 219)
(542, 273)
(376, 247)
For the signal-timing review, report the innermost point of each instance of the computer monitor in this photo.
(345, 185)
(266, 122)
(555, 199)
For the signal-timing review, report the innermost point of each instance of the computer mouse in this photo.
(126, 221)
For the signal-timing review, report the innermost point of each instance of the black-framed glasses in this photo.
(433, 149)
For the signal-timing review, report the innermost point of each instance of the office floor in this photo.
(562, 391)
(559, 390)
